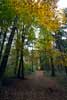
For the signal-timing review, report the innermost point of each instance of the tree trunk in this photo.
(1, 33)
(0, 39)
(19, 70)
(17, 56)
(6, 53)
(65, 69)
(21, 65)
(52, 65)
(17, 59)
(2, 45)
(32, 61)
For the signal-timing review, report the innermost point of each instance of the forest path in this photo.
(40, 79)
(35, 87)
(39, 74)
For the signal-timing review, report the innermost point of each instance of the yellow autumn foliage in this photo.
(44, 13)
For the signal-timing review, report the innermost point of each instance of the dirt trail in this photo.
(39, 74)
(36, 87)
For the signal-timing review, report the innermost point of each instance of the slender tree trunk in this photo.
(66, 69)
(32, 60)
(0, 33)
(2, 45)
(22, 62)
(17, 55)
(17, 59)
(52, 65)
(0, 38)
(21, 65)
(19, 70)
(32, 66)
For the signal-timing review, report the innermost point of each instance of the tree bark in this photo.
(53, 69)
(17, 60)
(32, 61)
(6, 53)
(21, 65)
(17, 56)
(19, 70)
(65, 69)
(2, 45)
(22, 62)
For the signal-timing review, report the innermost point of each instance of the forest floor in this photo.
(34, 87)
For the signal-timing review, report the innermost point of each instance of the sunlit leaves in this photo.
(45, 40)
(43, 13)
